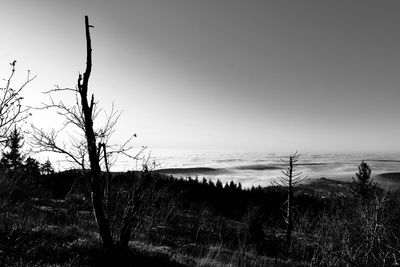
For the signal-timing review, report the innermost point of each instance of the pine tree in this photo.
(362, 184)
(46, 168)
(232, 185)
(13, 159)
(219, 184)
(32, 166)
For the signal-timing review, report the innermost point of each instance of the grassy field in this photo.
(195, 223)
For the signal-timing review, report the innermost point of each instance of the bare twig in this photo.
(11, 109)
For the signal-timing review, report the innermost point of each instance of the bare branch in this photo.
(58, 89)
(48, 142)
(11, 110)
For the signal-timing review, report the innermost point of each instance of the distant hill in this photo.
(389, 180)
(191, 171)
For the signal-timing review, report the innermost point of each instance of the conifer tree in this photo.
(13, 159)
(219, 184)
(46, 168)
(362, 184)
(32, 166)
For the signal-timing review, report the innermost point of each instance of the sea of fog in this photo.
(251, 168)
(261, 168)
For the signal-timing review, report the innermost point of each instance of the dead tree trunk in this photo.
(289, 212)
(290, 179)
(93, 152)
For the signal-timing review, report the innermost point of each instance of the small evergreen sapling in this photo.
(12, 158)
(46, 168)
(362, 184)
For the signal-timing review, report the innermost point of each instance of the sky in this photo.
(313, 76)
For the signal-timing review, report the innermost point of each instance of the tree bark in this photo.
(109, 177)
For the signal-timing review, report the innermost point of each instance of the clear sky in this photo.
(223, 74)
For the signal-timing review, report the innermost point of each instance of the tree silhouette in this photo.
(91, 148)
(363, 183)
(13, 159)
(46, 168)
(290, 179)
(32, 166)
(219, 184)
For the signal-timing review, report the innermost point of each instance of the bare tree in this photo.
(90, 147)
(11, 109)
(290, 178)
(11, 113)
